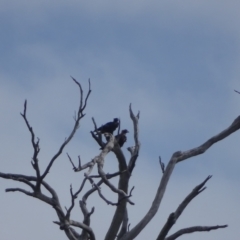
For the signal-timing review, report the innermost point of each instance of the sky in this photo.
(177, 62)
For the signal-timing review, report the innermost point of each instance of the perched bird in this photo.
(122, 138)
(109, 127)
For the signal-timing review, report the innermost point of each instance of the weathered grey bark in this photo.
(123, 185)
(172, 219)
(64, 221)
(118, 226)
(177, 157)
(35, 183)
(156, 202)
(124, 178)
(194, 229)
(124, 227)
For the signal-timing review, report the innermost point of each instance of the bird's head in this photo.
(125, 131)
(116, 120)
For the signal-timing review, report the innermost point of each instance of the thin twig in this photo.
(75, 127)
(162, 165)
(194, 229)
(35, 144)
(175, 215)
(135, 150)
(79, 168)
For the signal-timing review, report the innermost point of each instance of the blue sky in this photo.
(175, 61)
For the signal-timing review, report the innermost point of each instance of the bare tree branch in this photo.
(119, 126)
(156, 202)
(54, 201)
(82, 105)
(120, 218)
(124, 178)
(94, 123)
(80, 115)
(86, 220)
(201, 149)
(70, 232)
(111, 186)
(64, 220)
(19, 190)
(127, 197)
(80, 167)
(35, 144)
(27, 180)
(174, 216)
(83, 226)
(75, 195)
(94, 188)
(104, 198)
(177, 157)
(161, 164)
(20, 178)
(79, 163)
(124, 227)
(135, 150)
(98, 136)
(100, 158)
(194, 229)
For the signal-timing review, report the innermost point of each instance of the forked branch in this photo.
(35, 144)
(135, 150)
(124, 178)
(64, 220)
(80, 167)
(96, 185)
(175, 215)
(177, 157)
(79, 116)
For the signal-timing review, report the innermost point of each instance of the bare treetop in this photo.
(108, 142)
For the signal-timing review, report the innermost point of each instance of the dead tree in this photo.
(118, 227)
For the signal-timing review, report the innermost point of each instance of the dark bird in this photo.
(109, 127)
(122, 138)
